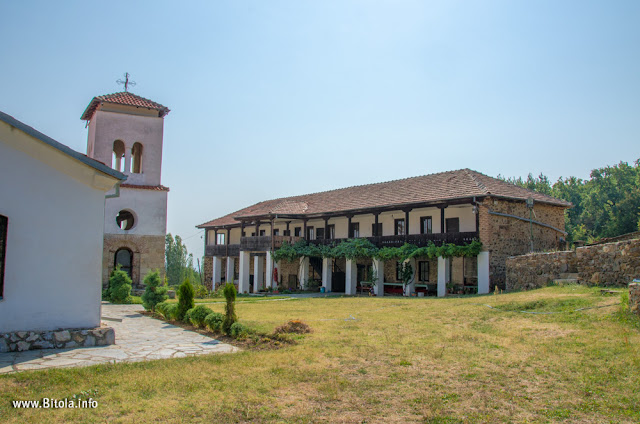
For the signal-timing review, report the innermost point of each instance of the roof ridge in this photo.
(481, 186)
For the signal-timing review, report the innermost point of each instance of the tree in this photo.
(154, 293)
(185, 299)
(230, 308)
(179, 262)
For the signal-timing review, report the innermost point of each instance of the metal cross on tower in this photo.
(126, 81)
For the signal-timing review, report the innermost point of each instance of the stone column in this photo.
(303, 272)
(268, 273)
(634, 298)
(327, 265)
(217, 272)
(258, 276)
(483, 272)
(378, 267)
(443, 270)
(243, 283)
(231, 270)
(351, 277)
(411, 287)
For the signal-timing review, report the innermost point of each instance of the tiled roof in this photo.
(433, 188)
(145, 187)
(123, 98)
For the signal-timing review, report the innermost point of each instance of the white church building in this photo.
(51, 232)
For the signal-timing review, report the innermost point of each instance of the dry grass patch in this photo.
(381, 360)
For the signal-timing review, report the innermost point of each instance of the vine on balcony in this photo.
(363, 248)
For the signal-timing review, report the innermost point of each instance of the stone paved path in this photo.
(138, 338)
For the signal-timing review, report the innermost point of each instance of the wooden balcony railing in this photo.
(222, 250)
(266, 243)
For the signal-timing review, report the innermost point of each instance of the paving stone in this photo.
(138, 338)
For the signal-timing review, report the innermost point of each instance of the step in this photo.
(563, 281)
(569, 276)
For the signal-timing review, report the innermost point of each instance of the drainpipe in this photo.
(116, 194)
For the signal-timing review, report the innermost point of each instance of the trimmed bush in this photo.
(185, 299)
(161, 308)
(197, 315)
(230, 308)
(200, 291)
(153, 292)
(119, 290)
(214, 321)
(239, 331)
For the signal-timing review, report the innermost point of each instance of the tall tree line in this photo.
(605, 205)
(179, 262)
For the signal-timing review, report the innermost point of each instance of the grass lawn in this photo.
(400, 360)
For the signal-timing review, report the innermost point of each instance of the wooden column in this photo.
(241, 229)
(228, 240)
(215, 235)
(376, 215)
(326, 228)
(406, 224)
(442, 229)
(349, 232)
(257, 228)
(288, 230)
(304, 229)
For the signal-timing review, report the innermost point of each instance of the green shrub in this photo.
(119, 290)
(200, 291)
(172, 312)
(161, 308)
(230, 308)
(239, 331)
(153, 292)
(185, 299)
(197, 315)
(214, 321)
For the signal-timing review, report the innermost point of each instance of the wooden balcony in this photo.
(222, 250)
(265, 243)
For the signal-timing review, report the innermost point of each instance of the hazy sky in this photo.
(277, 98)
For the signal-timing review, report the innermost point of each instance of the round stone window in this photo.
(125, 220)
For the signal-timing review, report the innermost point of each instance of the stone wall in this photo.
(504, 236)
(59, 339)
(148, 256)
(611, 264)
(535, 270)
(634, 298)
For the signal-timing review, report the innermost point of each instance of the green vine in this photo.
(363, 248)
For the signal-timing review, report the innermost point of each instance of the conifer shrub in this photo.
(119, 290)
(214, 321)
(230, 308)
(185, 299)
(239, 331)
(171, 312)
(161, 308)
(197, 315)
(154, 293)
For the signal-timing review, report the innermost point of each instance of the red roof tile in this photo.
(145, 187)
(433, 188)
(123, 98)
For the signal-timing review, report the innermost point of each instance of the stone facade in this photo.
(59, 339)
(148, 256)
(634, 298)
(504, 236)
(610, 264)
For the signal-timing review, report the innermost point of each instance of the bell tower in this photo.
(126, 133)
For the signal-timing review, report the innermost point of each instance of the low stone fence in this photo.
(56, 339)
(610, 264)
(634, 298)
